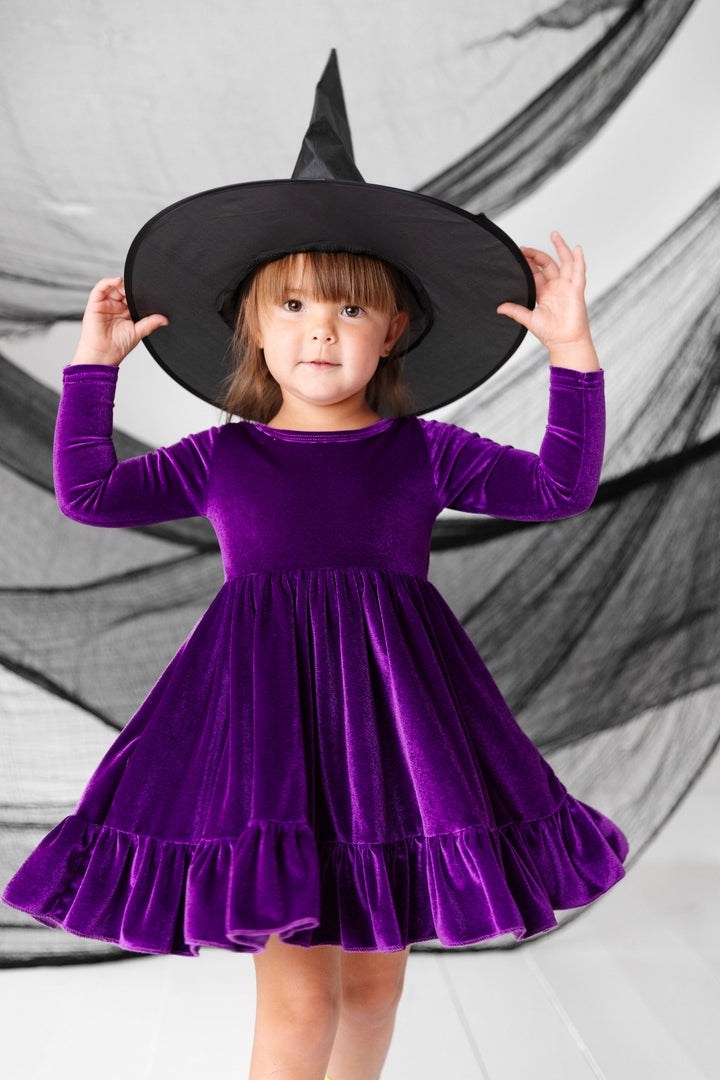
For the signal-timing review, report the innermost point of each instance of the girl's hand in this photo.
(560, 317)
(108, 333)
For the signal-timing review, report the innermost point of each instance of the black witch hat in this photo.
(191, 260)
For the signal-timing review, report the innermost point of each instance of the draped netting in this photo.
(599, 629)
(521, 154)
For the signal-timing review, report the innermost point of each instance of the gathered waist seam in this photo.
(313, 569)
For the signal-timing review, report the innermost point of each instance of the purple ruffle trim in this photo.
(159, 896)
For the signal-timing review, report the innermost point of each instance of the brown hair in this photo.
(251, 392)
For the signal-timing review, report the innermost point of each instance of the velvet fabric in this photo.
(326, 756)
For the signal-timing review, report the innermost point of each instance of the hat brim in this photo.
(190, 258)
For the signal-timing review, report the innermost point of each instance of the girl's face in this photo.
(299, 331)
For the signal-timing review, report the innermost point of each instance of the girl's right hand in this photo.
(108, 333)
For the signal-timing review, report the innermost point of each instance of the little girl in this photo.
(326, 771)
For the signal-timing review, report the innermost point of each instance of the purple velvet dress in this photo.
(326, 756)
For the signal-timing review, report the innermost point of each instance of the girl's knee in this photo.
(371, 1003)
(299, 1006)
(299, 988)
(372, 984)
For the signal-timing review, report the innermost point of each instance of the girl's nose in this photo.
(321, 326)
(322, 333)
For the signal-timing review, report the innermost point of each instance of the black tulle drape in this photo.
(524, 152)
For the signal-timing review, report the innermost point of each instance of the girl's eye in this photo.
(292, 302)
(353, 310)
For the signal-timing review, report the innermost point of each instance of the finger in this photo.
(545, 263)
(105, 288)
(149, 323)
(579, 270)
(517, 312)
(106, 283)
(566, 257)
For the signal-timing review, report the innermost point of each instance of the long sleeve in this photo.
(92, 487)
(477, 475)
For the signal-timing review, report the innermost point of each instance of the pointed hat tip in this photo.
(327, 150)
(329, 81)
(332, 59)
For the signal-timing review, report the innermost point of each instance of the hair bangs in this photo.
(331, 276)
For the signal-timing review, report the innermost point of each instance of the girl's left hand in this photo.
(560, 317)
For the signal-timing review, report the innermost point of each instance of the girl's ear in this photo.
(397, 324)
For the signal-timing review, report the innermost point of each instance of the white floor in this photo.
(630, 990)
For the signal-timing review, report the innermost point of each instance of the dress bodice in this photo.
(367, 497)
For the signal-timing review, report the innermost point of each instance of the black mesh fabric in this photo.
(534, 143)
(600, 630)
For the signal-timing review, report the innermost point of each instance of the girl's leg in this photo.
(298, 1008)
(372, 984)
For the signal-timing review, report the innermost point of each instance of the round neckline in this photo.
(344, 435)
